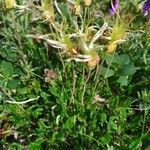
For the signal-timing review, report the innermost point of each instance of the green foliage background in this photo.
(103, 108)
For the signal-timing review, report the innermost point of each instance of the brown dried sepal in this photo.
(49, 75)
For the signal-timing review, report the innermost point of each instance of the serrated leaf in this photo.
(10, 54)
(122, 115)
(106, 138)
(112, 124)
(54, 91)
(114, 102)
(69, 123)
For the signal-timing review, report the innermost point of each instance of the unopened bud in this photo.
(10, 4)
(77, 10)
(111, 47)
(92, 63)
(87, 2)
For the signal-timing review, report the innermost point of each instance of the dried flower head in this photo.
(49, 75)
(48, 10)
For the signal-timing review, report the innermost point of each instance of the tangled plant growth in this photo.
(83, 41)
(74, 74)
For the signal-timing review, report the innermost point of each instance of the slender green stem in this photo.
(84, 18)
(84, 88)
(96, 73)
(109, 66)
(83, 77)
(63, 65)
(91, 138)
(97, 76)
(23, 61)
(73, 86)
(144, 120)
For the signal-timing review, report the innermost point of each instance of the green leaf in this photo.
(15, 146)
(59, 136)
(12, 84)
(64, 10)
(69, 123)
(110, 147)
(106, 138)
(6, 69)
(148, 148)
(1, 95)
(123, 59)
(122, 114)
(112, 124)
(134, 144)
(2, 83)
(107, 72)
(127, 70)
(103, 118)
(118, 59)
(35, 145)
(111, 59)
(10, 54)
(23, 90)
(54, 91)
(114, 102)
(145, 95)
(123, 80)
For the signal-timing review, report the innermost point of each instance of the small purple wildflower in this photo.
(114, 6)
(146, 7)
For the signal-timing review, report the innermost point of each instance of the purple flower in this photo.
(114, 6)
(146, 7)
